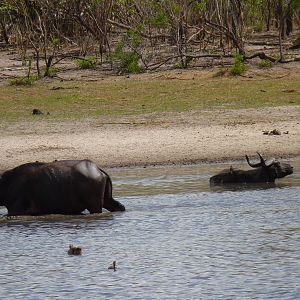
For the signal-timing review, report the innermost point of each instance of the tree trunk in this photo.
(269, 15)
(281, 19)
(4, 32)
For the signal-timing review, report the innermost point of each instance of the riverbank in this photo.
(168, 138)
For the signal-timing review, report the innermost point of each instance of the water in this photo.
(177, 240)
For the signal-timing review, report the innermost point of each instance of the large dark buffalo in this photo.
(263, 172)
(59, 187)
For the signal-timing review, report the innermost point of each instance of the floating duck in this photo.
(73, 250)
(113, 266)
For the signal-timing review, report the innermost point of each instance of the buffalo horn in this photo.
(262, 161)
(260, 164)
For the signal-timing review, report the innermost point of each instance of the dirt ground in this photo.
(207, 136)
(170, 138)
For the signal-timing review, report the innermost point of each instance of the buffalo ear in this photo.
(270, 162)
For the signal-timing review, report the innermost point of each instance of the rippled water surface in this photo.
(177, 240)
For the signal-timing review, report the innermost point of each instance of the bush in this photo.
(184, 63)
(265, 63)
(49, 72)
(86, 63)
(28, 80)
(239, 67)
(129, 61)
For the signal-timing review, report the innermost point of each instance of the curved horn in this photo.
(262, 161)
(254, 165)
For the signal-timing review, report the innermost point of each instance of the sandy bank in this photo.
(155, 139)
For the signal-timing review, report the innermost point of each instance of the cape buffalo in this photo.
(59, 187)
(263, 172)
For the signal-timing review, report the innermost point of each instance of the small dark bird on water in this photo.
(113, 266)
(73, 250)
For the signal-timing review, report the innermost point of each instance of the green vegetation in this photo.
(129, 60)
(51, 71)
(265, 63)
(86, 63)
(27, 80)
(239, 67)
(74, 100)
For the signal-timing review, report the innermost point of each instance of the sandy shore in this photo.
(206, 136)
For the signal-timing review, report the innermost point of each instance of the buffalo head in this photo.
(274, 168)
(262, 172)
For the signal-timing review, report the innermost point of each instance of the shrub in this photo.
(265, 63)
(28, 80)
(259, 26)
(184, 63)
(239, 67)
(129, 61)
(50, 71)
(86, 63)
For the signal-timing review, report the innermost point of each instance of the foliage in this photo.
(26, 80)
(160, 19)
(47, 28)
(185, 63)
(88, 62)
(265, 63)
(51, 71)
(238, 67)
(129, 60)
(56, 42)
(295, 4)
(259, 26)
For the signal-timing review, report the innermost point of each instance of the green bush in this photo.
(265, 63)
(28, 80)
(184, 63)
(259, 26)
(129, 61)
(86, 63)
(49, 72)
(239, 67)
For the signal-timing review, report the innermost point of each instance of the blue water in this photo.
(177, 240)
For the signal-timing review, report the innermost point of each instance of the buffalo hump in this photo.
(89, 170)
(59, 187)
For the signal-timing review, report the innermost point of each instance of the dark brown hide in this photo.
(262, 172)
(59, 187)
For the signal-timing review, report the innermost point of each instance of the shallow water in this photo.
(177, 240)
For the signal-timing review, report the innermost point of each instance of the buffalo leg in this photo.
(95, 204)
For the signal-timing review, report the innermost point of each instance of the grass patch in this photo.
(23, 81)
(75, 100)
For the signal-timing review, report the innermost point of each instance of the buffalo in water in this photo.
(61, 187)
(263, 172)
